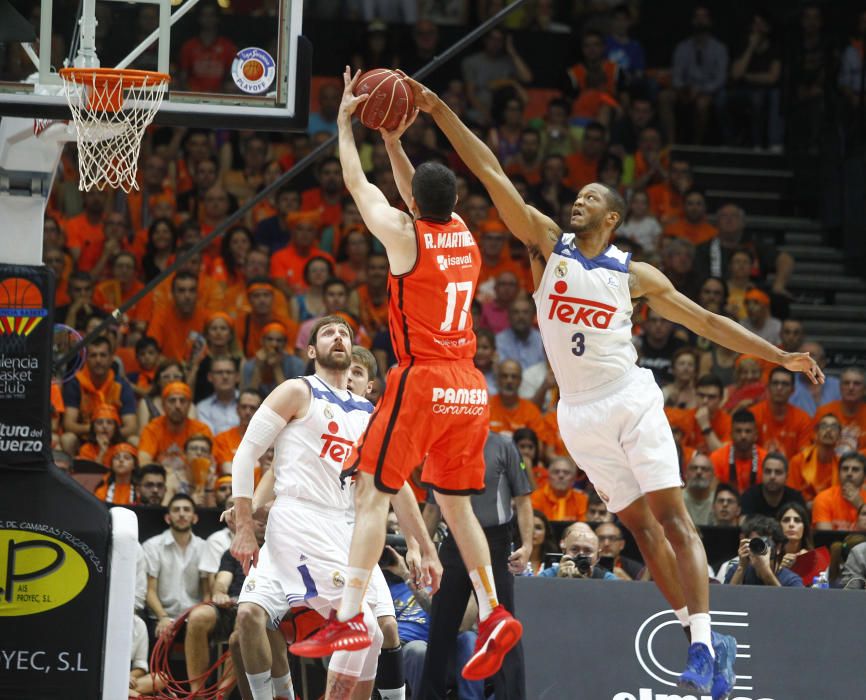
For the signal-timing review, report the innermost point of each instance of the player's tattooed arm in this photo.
(552, 235)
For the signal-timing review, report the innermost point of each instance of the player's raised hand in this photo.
(245, 548)
(425, 99)
(350, 101)
(803, 362)
(431, 571)
(393, 136)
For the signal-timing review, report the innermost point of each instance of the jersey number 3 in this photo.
(579, 345)
(452, 289)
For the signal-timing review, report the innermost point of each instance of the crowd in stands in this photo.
(165, 394)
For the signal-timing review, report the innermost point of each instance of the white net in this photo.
(110, 116)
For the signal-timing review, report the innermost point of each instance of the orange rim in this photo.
(108, 84)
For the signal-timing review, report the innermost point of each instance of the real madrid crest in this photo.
(251, 585)
(337, 579)
(328, 412)
(561, 270)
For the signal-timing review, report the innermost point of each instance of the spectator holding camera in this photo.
(580, 553)
(760, 556)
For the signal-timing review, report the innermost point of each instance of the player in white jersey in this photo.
(611, 412)
(312, 422)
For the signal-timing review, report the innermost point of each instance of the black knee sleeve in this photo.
(389, 674)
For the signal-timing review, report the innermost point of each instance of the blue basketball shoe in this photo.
(724, 677)
(698, 675)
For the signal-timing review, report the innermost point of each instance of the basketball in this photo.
(18, 293)
(253, 70)
(390, 98)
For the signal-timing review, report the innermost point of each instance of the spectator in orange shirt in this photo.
(154, 185)
(226, 443)
(666, 198)
(682, 392)
(373, 295)
(250, 326)
(739, 462)
(836, 508)
(235, 297)
(781, 427)
(104, 432)
(693, 226)
(118, 486)
(115, 241)
(710, 425)
(651, 160)
(748, 387)
(191, 201)
(206, 59)
(226, 267)
(583, 165)
(352, 256)
(326, 199)
(508, 411)
(177, 327)
(146, 357)
(558, 499)
(816, 468)
(163, 439)
(196, 148)
(496, 257)
(287, 264)
(81, 307)
(84, 233)
(120, 287)
(526, 163)
(60, 263)
(850, 410)
(150, 406)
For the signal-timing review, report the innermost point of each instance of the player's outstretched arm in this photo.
(401, 166)
(647, 281)
(524, 221)
(389, 225)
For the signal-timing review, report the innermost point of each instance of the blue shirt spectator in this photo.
(802, 396)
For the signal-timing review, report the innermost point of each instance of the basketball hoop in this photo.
(111, 109)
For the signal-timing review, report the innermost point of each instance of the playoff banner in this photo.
(608, 640)
(26, 336)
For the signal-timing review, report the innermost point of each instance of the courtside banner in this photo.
(26, 336)
(618, 640)
(54, 545)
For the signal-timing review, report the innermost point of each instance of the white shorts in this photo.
(379, 595)
(265, 591)
(621, 438)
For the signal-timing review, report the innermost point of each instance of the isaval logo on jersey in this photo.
(446, 261)
(578, 311)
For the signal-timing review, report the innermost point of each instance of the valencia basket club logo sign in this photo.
(21, 307)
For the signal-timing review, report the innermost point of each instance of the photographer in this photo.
(760, 556)
(579, 556)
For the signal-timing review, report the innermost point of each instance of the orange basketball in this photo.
(390, 98)
(18, 293)
(253, 70)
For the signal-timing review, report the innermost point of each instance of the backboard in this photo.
(234, 64)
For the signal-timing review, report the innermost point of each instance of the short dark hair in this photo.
(180, 497)
(144, 343)
(183, 275)
(778, 369)
(778, 456)
(196, 438)
(711, 380)
(856, 456)
(334, 282)
(434, 188)
(487, 334)
(595, 126)
(152, 468)
(80, 276)
(763, 526)
(327, 321)
(724, 486)
(615, 203)
(99, 340)
(744, 415)
(249, 392)
(364, 357)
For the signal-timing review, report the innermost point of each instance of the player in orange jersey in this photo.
(434, 410)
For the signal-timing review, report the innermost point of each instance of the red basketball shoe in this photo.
(350, 635)
(497, 635)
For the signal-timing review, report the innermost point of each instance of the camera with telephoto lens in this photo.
(759, 545)
(583, 562)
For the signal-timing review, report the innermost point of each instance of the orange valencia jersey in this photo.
(430, 315)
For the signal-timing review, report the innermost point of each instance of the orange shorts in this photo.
(430, 413)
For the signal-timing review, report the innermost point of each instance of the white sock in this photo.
(260, 685)
(485, 590)
(699, 624)
(683, 616)
(393, 694)
(283, 687)
(353, 592)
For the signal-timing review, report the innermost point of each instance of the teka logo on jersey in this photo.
(335, 447)
(450, 239)
(578, 311)
(723, 620)
(460, 401)
(446, 261)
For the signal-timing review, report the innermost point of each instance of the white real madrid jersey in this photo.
(309, 453)
(584, 315)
